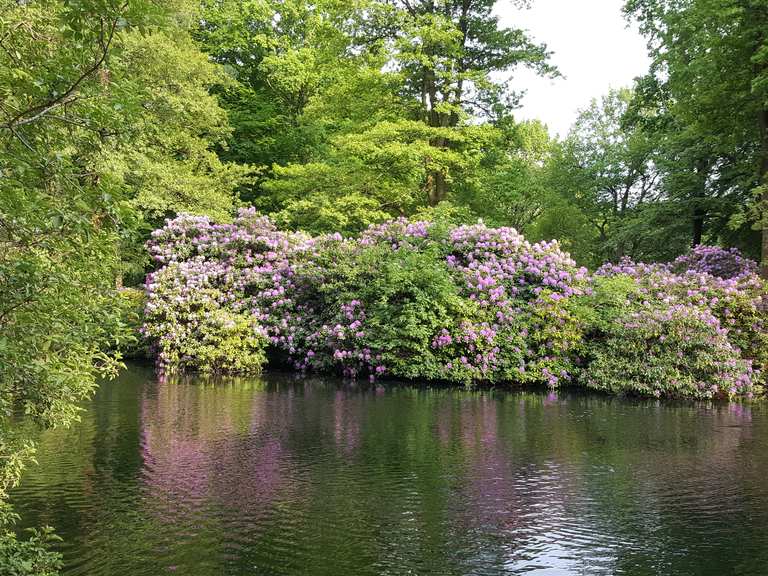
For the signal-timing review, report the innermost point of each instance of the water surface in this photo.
(279, 476)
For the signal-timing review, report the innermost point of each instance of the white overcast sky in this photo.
(592, 46)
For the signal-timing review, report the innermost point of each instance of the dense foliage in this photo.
(704, 106)
(719, 282)
(468, 303)
(642, 337)
(357, 112)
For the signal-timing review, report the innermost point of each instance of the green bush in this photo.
(555, 336)
(30, 557)
(409, 299)
(197, 332)
(739, 302)
(436, 301)
(677, 350)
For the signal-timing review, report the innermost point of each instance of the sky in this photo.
(592, 47)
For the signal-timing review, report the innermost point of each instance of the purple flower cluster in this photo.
(496, 307)
(281, 280)
(721, 283)
(396, 233)
(500, 266)
(515, 281)
(715, 261)
(679, 350)
(506, 278)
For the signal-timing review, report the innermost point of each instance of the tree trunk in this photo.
(764, 254)
(699, 211)
(438, 189)
(764, 193)
(698, 227)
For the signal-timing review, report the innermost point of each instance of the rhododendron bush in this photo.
(714, 280)
(659, 347)
(456, 303)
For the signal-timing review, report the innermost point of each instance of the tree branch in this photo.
(69, 95)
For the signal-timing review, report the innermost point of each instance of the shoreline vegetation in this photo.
(437, 301)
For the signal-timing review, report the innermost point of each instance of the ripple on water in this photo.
(284, 477)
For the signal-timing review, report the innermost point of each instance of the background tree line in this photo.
(329, 116)
(351, 113)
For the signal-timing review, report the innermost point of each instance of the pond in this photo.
(285, 476)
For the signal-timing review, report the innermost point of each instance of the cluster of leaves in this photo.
(30, 557)
(658, 346)
(466, 303)
(710, 130)
(357, 112)
(130, 303)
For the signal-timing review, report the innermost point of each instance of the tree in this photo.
(607, 169)
(282, 56)
(384, 168)
(321, 85)
(106, 127)
(710, 74)
(507, 187)
(450, 53)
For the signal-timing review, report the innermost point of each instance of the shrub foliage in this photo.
(459, 303)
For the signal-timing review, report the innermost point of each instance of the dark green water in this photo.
(316, 477)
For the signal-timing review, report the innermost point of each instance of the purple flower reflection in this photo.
(213, 447)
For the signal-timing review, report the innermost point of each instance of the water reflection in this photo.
(285, 476)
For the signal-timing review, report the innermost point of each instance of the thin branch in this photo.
(408, 7)
(43, 112)
(23, 302)
(42, 109)
(24, 141)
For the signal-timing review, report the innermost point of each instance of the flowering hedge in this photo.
(457, 303)
(663, 349)
(720, 282)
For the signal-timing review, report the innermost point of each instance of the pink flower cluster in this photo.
(679, 350)
(721, 283)
(282, 280)
(499, 309)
